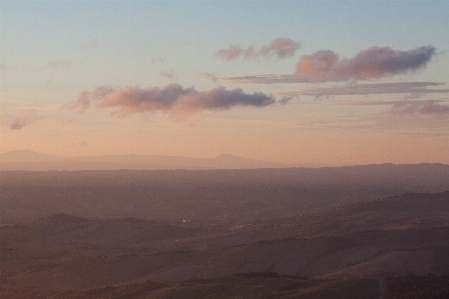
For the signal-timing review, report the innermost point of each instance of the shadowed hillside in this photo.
(79, 253)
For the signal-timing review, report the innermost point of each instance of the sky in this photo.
(297, 82)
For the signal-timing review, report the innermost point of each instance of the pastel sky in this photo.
(303, 82)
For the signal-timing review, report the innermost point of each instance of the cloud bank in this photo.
(281, 47)
(374, 62)
(179, 102)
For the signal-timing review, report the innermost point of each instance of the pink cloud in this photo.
(233, 52)
(2, 67)
(179, 102)
(84, 99)
(374, 62)
(102, 91)
(82, 103)
(428, 107)
(24, 119)
(318, 65)
(281, 47)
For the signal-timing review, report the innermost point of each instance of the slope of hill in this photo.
(78, 253)
(223, 287)
(410, 210)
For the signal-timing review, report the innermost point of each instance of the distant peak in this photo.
(22, 151)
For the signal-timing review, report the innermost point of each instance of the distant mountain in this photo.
(32, 161)
(26, 156)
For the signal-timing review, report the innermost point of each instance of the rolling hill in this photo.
(79, 253)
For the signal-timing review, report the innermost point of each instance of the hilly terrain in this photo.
(79, 254)
(362, 231)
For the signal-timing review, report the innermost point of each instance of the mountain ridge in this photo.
(33, 161)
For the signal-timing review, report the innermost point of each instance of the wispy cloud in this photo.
(281, 47)
(59, 63)
(173, 99)
(413, 88)
(374, 62)
(20, 121)
(260, 79)
(169, 75)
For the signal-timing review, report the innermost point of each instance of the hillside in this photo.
(80, 253)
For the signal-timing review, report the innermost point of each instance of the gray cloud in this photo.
(281, 47)
(179, 102)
